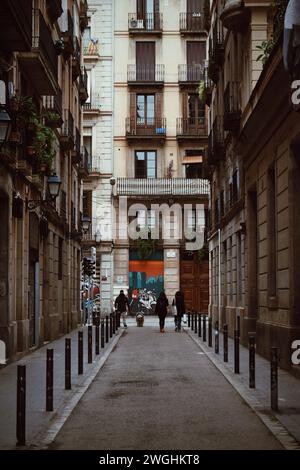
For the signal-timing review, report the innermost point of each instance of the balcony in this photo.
(76, 66)
(55, 9)
(232, 108)
(83, 169)
(94, 165)
(190, 75)
(162, 187)
(143, 75)
(191, 128)
(216, 147)
(76, 152)
(53, 106)
(93, 106)
(191, 23)
(67, 131)
(149, 23)
(83, 16)
(15, 25)
(83, 86)
(41, 64)
(208, 88)
(154, 129)
(235, 16)
(91, 49)
(217, 44)
(67, 32)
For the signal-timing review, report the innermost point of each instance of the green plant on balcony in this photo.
(202, 91)
(265, 48)
(59, 46)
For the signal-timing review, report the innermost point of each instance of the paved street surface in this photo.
(159, 391)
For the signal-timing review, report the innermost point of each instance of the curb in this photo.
(64, 411)
(279, 431)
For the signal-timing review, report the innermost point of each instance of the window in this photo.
(193, 163)
(145, 110)
(196, 109)
(87, 143)
(145, 164)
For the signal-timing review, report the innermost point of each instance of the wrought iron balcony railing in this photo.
(162, 187)
(146, 127)
(192, 127)
(91, 47)
(191, 22)
(216, 148)
(232, 108)
(146, 74)
(148, 22)
(190, 73)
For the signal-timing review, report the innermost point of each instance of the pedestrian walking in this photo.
(122, 306)
(161, 310)
(179, 305)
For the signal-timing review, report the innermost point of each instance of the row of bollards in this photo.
(198, 323)
(103, 332)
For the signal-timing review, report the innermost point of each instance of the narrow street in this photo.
(159, 391)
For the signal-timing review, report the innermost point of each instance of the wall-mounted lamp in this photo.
(53, 188)
(85, 223)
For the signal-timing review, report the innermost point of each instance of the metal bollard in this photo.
(199, 326)
(204, 328)
(189, 319)
(236, 352)
(210, 332)
(97, 338)
(196, 323)
(90, 344)
(192, 325)
(274, 379)
(49, 380)
(251, 337)
(238, 325)
(106, 329)
(110, 326)
(21, 406)
(114, 323)
(102, 333)
(217, 346)
(225, 343)
(68, 363)
(80, 352)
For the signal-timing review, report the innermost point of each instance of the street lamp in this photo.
(53, 188)
(85, 223)
(5, 126)
(54, 184)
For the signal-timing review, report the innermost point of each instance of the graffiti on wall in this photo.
(146, 281)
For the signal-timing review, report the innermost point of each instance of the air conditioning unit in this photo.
(136, 24)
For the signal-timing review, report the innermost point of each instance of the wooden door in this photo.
(145, 61)
(194, 283)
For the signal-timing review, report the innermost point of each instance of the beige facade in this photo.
(254, 169)
(40, 243)
(156, 79)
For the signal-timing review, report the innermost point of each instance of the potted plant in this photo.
(59, 46)
(53, 120)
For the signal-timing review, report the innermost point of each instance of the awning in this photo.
(193, 159)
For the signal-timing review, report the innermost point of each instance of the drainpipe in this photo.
(219, 241)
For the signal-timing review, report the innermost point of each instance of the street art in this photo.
(146, 281)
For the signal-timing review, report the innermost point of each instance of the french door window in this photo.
(145, 164)
(145, 105)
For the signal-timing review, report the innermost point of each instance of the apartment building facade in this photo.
(98, 141)
(160, 133)
(42, 89)
(254, 162)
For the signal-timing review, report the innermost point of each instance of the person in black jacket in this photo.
(161, 310)
(121, 306)
(180, 307)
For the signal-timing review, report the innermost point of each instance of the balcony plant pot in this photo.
(59, 46)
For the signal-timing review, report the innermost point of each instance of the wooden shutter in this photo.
(140, 7)
(145, 61)
(195, 52)
(185, 105)
(158, 110)
(132, 111)
(194, 6)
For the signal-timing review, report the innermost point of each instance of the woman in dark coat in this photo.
(161, 310)
(180, 307)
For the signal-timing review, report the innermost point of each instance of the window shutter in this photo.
(184, 105)
(132, 111)
(158, 109)
(140, 9)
